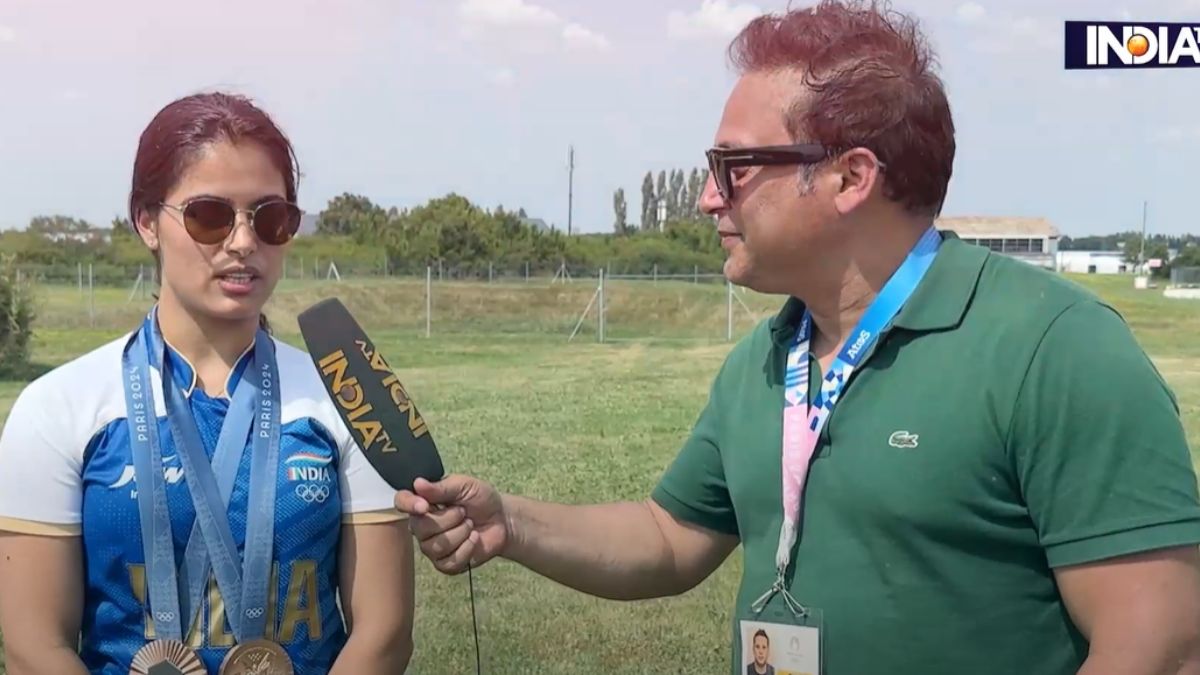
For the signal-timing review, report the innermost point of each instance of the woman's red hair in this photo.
(184, 127)
(868, 82)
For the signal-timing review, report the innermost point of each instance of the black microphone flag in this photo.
(369, 396)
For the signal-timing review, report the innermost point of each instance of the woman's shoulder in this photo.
(44, 438)
(302, 392)
(298, 377)
(80, 391)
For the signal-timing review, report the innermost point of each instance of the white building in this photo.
(1093, 262)
(1033, 240)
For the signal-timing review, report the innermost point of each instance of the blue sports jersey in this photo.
(66, 468)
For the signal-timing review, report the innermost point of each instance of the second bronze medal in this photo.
(257, 657)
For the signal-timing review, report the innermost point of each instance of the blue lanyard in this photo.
(799, 444)
(255, 407)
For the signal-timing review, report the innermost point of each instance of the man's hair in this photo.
(868, 82)
(761, 633)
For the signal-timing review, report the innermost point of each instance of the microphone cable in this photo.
(474, 621)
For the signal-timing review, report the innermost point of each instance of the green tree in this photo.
(16, 319)
(695, 189)
(647, 222)
(676, 195)
(1189, 256)
(620, 227)
(350, 214)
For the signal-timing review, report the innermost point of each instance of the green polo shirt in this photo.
(1006, 423)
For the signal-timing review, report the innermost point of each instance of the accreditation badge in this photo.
(778, 640)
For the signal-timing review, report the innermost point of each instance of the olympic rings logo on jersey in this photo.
(313, 493)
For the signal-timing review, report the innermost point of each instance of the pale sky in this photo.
(407, 100)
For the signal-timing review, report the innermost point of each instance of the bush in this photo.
(16, 320)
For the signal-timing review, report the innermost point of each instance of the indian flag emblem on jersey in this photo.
(307, 466)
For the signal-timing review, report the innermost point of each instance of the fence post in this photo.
(600, 313)
(729, 311)
(91, 298)
(79, 270)
(428, 297)
(656, 273)
(526, 271)
(695, 274)
(489, 272)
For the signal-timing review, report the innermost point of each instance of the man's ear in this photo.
(859, 171)
(147, 229)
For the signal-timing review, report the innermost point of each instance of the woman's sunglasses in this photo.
(209, 220)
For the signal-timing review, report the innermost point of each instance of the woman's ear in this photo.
(147, 229)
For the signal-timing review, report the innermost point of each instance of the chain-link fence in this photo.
(1185, 277)
(442, 299)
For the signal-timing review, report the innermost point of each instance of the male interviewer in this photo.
(1041, 512)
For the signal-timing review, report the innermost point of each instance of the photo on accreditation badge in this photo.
(777, 649)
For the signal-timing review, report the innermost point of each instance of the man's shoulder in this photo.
(1009, 284)
(1048, 331)
(1022, 303)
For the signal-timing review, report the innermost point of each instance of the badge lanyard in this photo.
(802, 423)
(255, 407)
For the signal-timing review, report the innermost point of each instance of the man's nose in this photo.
(711, 201)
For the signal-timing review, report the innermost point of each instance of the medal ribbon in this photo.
(802, 423)
(255, 406)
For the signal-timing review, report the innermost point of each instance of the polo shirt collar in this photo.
(938, 302)
(184, 373)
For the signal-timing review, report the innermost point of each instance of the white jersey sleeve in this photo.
(44, 439)
(366, 496)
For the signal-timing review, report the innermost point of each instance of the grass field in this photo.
(509, 399)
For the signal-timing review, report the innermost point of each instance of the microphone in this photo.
(375, 406)
(369, 396)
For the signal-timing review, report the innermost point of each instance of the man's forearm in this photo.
(58, 661)
(1141, 657)
(615, 551)
(1106, 665)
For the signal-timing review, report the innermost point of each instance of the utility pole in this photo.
(570, 185)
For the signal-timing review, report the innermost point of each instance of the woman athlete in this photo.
(244, 531)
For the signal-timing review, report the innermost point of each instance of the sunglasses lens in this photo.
(720, 174)
(276, 222)
(208, 221)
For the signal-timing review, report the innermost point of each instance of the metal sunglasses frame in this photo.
(251, 215)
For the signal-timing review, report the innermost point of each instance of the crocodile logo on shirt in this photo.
(902, 439)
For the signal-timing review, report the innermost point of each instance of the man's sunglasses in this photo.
(721, 161)
(209, 220)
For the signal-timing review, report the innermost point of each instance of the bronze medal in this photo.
(167, 657)
(257, 657)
